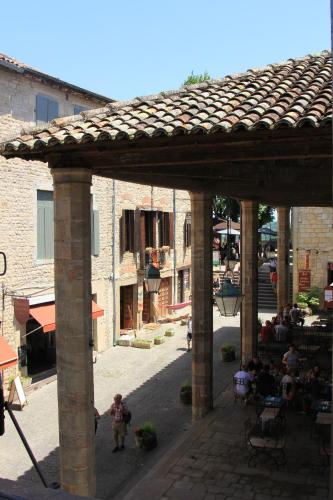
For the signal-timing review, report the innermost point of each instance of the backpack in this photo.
(127, 417)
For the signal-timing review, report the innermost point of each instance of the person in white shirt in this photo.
(281, 331)
(189, 333)
(242, 382)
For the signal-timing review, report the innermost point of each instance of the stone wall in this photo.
(19, 182)
(312, 244)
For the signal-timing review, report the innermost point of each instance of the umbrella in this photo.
(230, 231)
(266, 230)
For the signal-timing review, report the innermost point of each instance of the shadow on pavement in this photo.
(156, 400)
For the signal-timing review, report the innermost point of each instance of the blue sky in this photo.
(123, 49)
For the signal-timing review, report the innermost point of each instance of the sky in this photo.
(129, 48)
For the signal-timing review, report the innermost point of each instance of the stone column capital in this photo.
(79, 175)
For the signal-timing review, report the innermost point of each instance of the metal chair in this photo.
(271, 446)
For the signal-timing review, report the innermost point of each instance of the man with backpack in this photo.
(121, 416)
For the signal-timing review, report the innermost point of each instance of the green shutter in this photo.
(45, 225)
(95, 236)
(49, 231)
(40, 233)
(41, 108)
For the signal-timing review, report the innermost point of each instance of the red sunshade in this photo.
(45, 315)
(7, 355)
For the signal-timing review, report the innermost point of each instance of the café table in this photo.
(323, 418)
(272, 402)
(267, 416)
(321, 406)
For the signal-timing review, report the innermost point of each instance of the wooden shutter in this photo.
(40, 233)
(171, 241)
(95, 237)
(49, 231)
(52, 109)
(122, 232)
(45, 225)
(130, 230)
(142, 238)
(154, 228)
(41, 108)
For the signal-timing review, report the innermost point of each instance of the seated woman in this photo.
(267, 332)
(242, 383)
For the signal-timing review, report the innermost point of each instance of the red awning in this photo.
(45, 315)
(7, 355)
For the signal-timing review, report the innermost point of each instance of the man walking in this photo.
(117, 411)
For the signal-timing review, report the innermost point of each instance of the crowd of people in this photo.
(256, 380)
(280, 327)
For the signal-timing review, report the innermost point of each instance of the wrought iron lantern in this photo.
(228, 299)
(152, 279)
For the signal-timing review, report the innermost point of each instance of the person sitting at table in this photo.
(313, 373)
(265, 383)
(288, 386)
(281, 331)
(291, 358)
(242, 383)
(267, 332)
(255, 366)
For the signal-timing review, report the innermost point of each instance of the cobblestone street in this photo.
(148, 379)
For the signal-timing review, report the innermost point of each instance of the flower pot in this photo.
(159, 341)
(146, 442)
(228, 356)
(186, 396)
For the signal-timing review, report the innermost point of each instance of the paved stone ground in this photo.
(149, 380)
(210, 463)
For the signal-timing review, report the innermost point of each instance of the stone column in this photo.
(72, 267)
(249, 279)
(283, 257)
(202, 310)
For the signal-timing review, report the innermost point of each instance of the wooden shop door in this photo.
(126, 307)
(164, 297)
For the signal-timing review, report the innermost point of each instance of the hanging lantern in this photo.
(228, 299)
(152, 279)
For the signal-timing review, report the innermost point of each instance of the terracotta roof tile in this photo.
(289, 94)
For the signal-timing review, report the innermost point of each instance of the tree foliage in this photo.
(224, 208)
(192, 78)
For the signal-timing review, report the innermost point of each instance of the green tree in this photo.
(192, 78)
(230, 207)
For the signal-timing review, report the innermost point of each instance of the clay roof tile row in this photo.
(289, 94)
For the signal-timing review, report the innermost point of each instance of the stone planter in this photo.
(124, 342)
(146, 344)
(158, 341)
(169, 333)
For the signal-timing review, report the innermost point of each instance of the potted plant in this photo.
(186, 393)
(145, 436)
(228, 352)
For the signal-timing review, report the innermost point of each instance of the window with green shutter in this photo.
(45, 226)
(94, 232)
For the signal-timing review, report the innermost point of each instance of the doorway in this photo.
(41, 349)
(164, 297)
(146, 306)
(126, 307)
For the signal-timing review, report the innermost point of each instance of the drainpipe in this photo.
(113, 245)
(174, 247)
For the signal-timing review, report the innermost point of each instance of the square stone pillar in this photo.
(202, 309)
(283, 257)
(249, 279)
(72, 267)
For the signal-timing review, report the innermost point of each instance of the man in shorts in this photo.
(117, 411)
